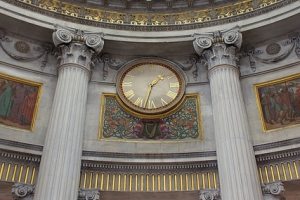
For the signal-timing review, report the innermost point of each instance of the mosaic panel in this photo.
(182, 124)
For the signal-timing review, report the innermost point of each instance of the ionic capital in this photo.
(209, 194)
(273, 191)
(88, 194)
(219, 48)
(77, 46)
(22, 191)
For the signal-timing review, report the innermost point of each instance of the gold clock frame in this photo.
(158, 61)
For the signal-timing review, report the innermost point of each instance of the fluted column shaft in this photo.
(237, 167)
(59, 172)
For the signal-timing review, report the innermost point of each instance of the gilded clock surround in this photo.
(160, 72)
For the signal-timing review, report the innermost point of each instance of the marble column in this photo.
(273, 191)
(22, 191)
(236, 161)
(59, 171)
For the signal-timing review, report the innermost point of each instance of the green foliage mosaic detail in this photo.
(183, 124)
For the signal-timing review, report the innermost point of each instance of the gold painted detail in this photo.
(120, 122)
(155, 19)
(153, 182)
(17, 173)
(283, 171)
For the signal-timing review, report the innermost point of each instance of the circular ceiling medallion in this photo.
(273, 49)
(22, 47)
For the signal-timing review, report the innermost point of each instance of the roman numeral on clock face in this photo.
(176, 84)
(171, 76)
(140, 69)
(163, 102)
(151, 68)
(130, 76)
(139, 102)
(129, 94)
(171, 94)
(127, 84)
(151, 104)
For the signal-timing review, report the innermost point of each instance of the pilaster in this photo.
(22, 191)
(61, 159)
(236, 162)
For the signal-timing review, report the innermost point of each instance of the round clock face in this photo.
(150, 87)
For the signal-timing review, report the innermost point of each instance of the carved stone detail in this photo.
(77, 46)
(273, 191)
(109, 63)
(219, 48)
(273, 49)
(22, 47)
(209, 194)
(22, 191)
(88, 194)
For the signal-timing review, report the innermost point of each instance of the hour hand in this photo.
(159, 77)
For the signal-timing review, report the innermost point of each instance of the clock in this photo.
(150, 86)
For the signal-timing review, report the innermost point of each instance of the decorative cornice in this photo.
(149, 155)
(155, 22)
(21, 145)
(141, 167)
(19, 156)
(288, 154)
(273, 145)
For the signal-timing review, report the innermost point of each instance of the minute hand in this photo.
(159, 77)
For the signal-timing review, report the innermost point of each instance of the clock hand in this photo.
(148, 93)
(159, 77)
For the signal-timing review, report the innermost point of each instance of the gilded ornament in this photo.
(22, 47)
(273, 49)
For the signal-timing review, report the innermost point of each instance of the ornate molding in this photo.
(219, 48)
(209, 194)
(275, 189)
(278, 155)
(23, 49)
(77, 46)
(19, 156)
(88, 194)
(272, 50)
(109, 63)
(21, 145)
(22, 191)
(138, 167)
(150, 22)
